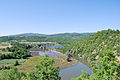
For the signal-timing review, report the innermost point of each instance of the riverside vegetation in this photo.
(20, 62)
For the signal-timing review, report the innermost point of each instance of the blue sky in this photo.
(58, 16)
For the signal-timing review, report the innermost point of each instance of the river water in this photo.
(73, 71)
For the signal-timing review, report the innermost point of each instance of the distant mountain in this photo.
(29, 34)
(66, 34)
(54, 35)
(70, 34)
(36, 37)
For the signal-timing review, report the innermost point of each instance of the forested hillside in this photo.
(62, 38)
(102, 52)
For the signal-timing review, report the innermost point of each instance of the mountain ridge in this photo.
(39, 34)
(62, 37)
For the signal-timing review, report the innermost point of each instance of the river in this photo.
(74, 71)
(70, 72)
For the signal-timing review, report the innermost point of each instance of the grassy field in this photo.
(4, 52)
(29, 65)
(4, 44)
(61, 61)
(9, 61)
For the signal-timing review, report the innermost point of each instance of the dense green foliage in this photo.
(13, 74)
(105, 69)
(21, 50)
(91, 47)
(44, 71)
(100, 51)
(18, 51)
(11, 61)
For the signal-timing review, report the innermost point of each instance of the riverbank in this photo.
(77, 58)
(61, 62)
(83, 61)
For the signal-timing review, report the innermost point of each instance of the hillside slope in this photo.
(95, 44)
(102, 52)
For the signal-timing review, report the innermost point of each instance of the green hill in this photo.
(102, 51)
(35, 37)
(96, 43)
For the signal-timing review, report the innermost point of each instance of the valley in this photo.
(82, 58)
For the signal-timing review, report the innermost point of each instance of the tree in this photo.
(46, 71)
(16, 63)
(68, 57)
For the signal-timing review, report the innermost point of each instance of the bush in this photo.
(16, 63)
